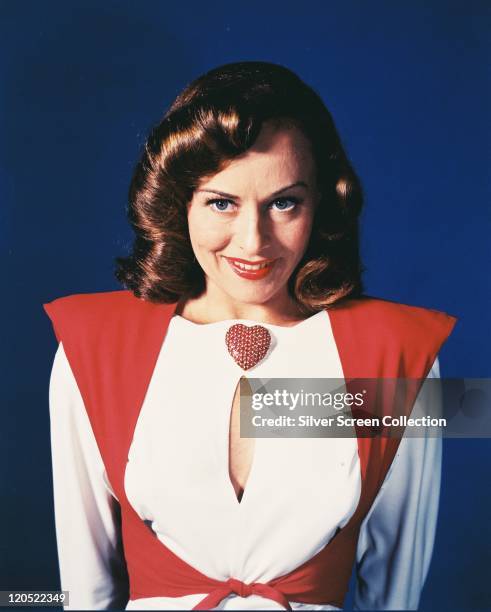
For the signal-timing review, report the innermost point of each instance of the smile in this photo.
(251, 270)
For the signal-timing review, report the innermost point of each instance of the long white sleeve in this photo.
(396, 538)
(91, 562)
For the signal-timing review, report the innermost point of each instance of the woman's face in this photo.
(250, 223)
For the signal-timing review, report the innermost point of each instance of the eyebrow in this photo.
(234, 197)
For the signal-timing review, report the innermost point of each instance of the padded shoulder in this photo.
(401, 333)
(98, 313)
(386, 315)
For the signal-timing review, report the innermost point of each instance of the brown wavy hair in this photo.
(214, 120)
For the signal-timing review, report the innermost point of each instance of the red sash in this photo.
(112, 341)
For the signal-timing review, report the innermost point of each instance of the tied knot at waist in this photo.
(232, 585)
(240, 588)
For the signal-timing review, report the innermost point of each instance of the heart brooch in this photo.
(247, 345)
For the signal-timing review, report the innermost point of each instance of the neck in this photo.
(210, 308)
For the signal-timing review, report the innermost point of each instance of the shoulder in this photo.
(381, 315)
(104, 301)
(382, 338)
(388, 331)
(102, 311)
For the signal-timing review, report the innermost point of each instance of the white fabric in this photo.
(177, 479)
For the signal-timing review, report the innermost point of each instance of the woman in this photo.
(245, 262)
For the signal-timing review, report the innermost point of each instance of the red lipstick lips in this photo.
(251, 270)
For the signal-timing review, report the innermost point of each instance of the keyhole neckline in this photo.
(245, 491)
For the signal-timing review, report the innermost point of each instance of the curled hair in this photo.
(214, 120)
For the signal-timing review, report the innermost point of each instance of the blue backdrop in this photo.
(83, 81)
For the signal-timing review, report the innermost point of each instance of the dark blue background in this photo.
(83, 81)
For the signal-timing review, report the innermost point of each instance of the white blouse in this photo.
(298, 493)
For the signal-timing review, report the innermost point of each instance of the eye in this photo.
(284, 204)
(221, 205)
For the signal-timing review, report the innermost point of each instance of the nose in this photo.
(252, 233)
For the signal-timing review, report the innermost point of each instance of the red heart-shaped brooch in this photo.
(247, 345)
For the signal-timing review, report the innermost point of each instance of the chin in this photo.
(251, 300)
(251, 292)
(253, 296)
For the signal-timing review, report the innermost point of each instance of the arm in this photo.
(397, 536)
(91, 560)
